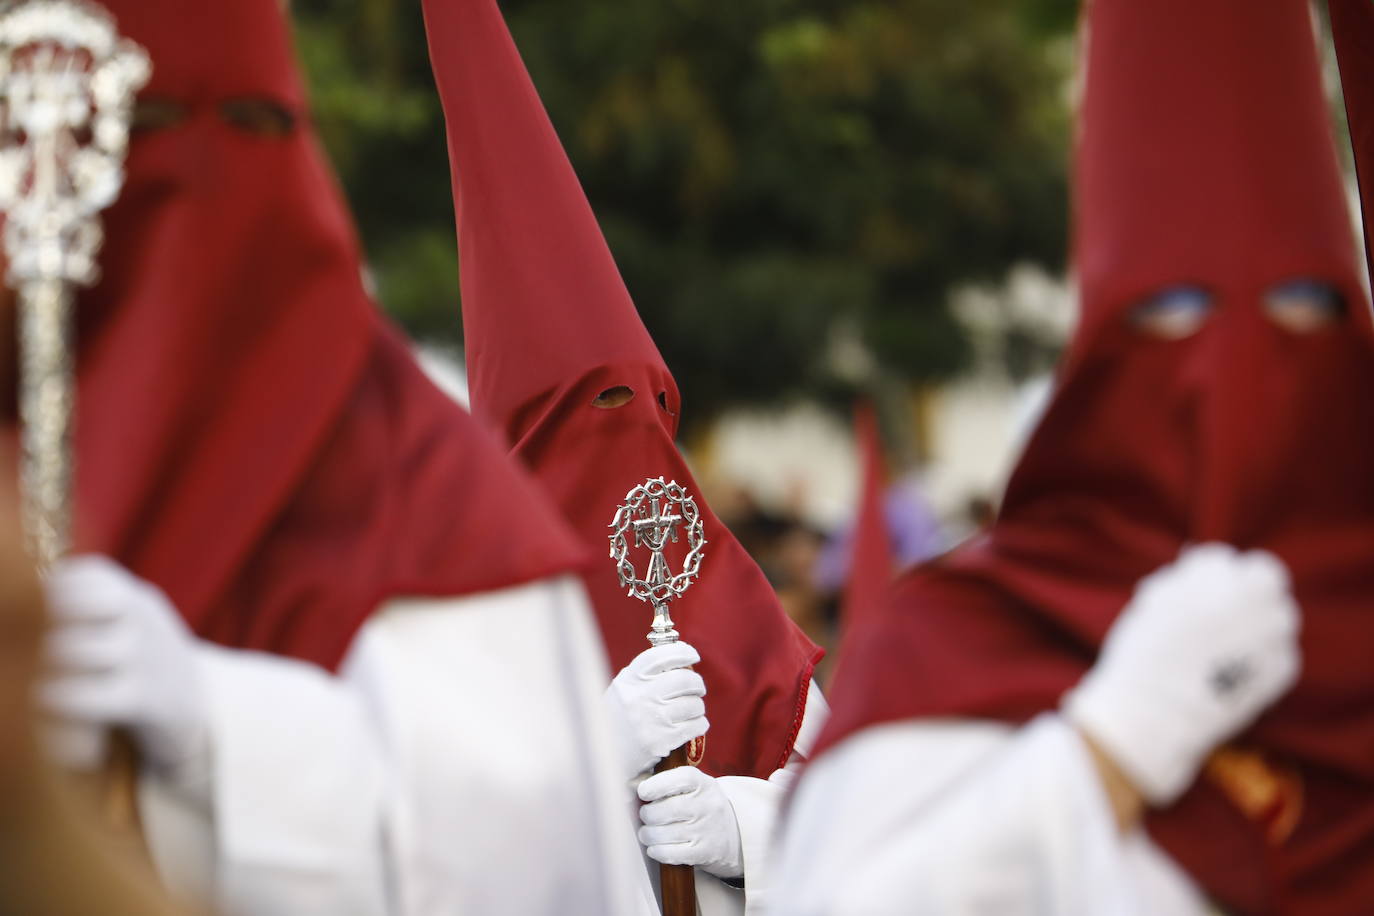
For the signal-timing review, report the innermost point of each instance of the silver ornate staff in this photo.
(654, 512)
(67, 83)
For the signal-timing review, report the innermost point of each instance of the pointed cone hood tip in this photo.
(518, 202)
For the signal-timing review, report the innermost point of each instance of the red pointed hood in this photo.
(1205, 163)
(518, 203)
(871, 556)
(549, 327)
(250, 436)
(871, 565)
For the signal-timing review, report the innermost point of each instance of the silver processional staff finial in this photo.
(654, 514)
(67, 85)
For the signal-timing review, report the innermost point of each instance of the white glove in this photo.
(688, 820)
(656, 706)
(120, 655)
(1202, 648)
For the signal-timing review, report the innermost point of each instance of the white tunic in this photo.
(458, 764)
(757, 804)
(955, 817)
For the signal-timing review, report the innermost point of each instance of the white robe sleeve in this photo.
(459, 763)
(757, 803)
(962, 817)
(287, 814)
(489, 710)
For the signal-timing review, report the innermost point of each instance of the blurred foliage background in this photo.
(792, 188)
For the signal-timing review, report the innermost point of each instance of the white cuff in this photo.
(756, 803)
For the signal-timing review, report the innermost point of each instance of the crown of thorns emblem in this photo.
(656, 513)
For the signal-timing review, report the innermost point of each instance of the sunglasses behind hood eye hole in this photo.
(259, 116)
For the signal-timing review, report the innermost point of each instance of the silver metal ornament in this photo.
(656, 513)
(67, 86)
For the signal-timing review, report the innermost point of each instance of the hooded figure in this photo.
(1060, 716)
(262, 466)
(562, 367)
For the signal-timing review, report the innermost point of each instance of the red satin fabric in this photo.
(250, 436)
(548, 326)
(1205, 158)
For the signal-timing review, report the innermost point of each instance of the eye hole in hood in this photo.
(1173, 314)
(262, 116)
(611, 398)
(154, 113)
(1304, 306)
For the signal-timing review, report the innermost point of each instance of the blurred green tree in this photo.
(765, 171)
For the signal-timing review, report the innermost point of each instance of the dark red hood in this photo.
(248, 427)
